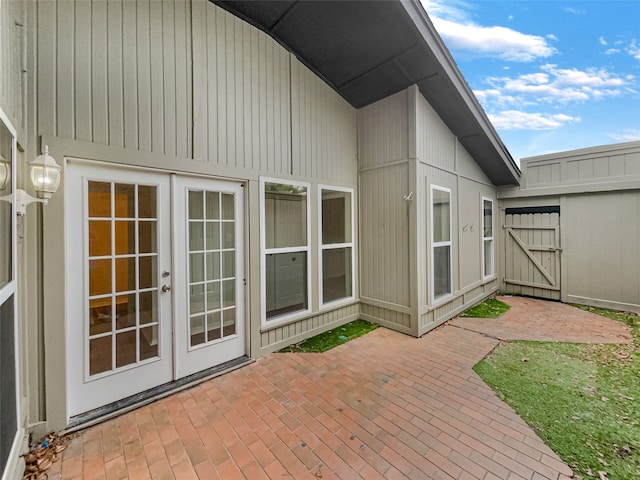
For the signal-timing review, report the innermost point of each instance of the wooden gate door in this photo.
(532, 241)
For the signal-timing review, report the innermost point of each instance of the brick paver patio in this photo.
(384, 406)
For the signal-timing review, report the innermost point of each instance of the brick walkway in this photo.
(539, 320)
(383, 406)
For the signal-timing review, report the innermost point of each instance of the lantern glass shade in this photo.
(45, 174)
(5, 173)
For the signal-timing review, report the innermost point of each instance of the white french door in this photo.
(209, 298)
(144, 312)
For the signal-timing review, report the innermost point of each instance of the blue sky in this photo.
(551, 75)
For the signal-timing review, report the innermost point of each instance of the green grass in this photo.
(327, 340)
(583, 400)
(490, 308)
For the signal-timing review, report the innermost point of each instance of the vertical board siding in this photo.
(375, 313)
(242, 108)
(323, 129)
(383, 131)
(470, 232)
(12, 38)
(602, 247)
(435, 142)
(600, 165)
(305, 327)
(384, 234)
(116, 73)
(468, 168)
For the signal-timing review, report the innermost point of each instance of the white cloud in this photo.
(629, 135)
(575, 11)
(602, 41)
(518, 120)
(634, 49)
(498, 42)
(455, 10)
(452, 22)
(552, 85)
(611, 51)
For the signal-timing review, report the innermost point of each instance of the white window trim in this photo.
(485, 239)
(264, 251)
(11, 289)
(322, 248)
(442, 298)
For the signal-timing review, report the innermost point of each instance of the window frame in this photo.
(485, 239)
(10, 288)
(264, 251)
(441, 298)
(334, 246)
(11, 292)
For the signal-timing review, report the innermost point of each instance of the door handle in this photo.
(166, 288)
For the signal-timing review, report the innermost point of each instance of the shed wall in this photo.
(601, 249)
(598, 192)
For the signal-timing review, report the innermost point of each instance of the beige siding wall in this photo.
(601, 249)
(383, 131)
(188, 80)
(323, 128)
(12, 60)
(280, 337)
(610, 167)
(444, 162)
(598, 191)
(116, 73)
(436, 145)
(384, 235)
(404, 147)
(242, 94)
(184, 86)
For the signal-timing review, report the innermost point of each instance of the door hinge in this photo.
(244, 282)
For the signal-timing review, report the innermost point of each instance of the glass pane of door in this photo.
(123, 275)
(211, 267)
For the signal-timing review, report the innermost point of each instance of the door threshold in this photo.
(120, 407)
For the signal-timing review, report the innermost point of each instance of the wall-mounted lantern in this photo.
(5, 172)
(45, 177)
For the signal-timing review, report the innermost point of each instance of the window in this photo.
(6, 210)
(487, 237)
(336, 245)
(286, 249)
(441, 242)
